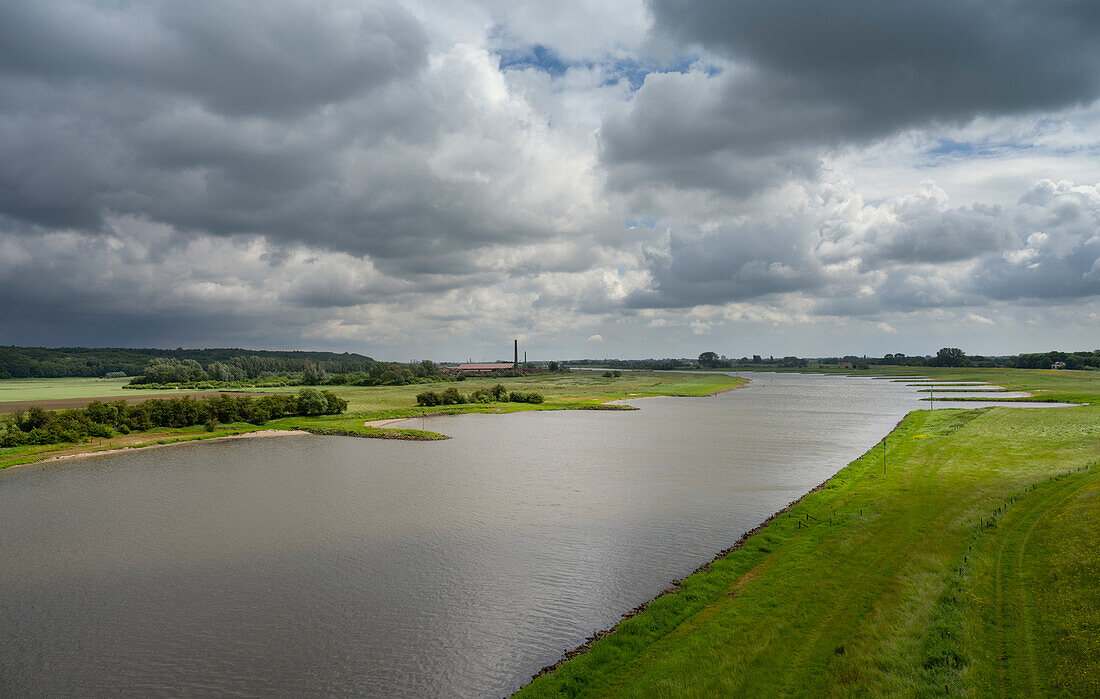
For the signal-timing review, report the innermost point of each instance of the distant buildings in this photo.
(491, 367)
(486, 368)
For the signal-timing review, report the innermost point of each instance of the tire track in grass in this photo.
(1010, 572)
(842, 611)
(894, 547)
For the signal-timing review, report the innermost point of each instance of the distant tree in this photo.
(219, 371)
(313, 374)
(756, 359)
(951, 356)
(172, 370)
(553, 366)
(708, 359)
(426, 369)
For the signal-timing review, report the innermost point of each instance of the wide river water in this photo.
(335, 565)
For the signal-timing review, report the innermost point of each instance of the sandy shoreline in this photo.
(387, 421)
(116, 450)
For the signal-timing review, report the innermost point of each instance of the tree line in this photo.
(244, 371)
(100, 419)
(944, 357)
(1048, 360)
(62, 362)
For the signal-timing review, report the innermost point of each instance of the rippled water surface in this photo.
(335, 565)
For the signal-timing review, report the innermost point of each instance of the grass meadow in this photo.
(966, 564)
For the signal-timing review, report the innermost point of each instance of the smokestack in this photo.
(517, 355)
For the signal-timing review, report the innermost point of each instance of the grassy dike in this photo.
(968, 565)
(570, 391)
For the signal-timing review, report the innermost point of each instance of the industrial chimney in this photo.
(516, 366)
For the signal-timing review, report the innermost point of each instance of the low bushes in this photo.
(38, 426)
(496, 394)
(517, 397)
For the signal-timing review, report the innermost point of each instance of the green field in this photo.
(12, 390)
(560, 390)
(968, 565)
(567, 391)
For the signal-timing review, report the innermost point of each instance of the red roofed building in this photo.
(485, 368)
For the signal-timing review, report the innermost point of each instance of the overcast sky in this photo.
(430, 180)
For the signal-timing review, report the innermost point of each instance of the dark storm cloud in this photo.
(805, 75)
(304, 122)
(892, 64)
(201, 114)
(147, 287)
(234, 57)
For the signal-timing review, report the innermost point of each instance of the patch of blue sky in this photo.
(615, 68)
(534, 56)
(635, 71)
(950, 148)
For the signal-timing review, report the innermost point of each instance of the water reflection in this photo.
(319, 566)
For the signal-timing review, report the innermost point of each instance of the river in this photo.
(340, 566)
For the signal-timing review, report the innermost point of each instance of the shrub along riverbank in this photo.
(497, 394)
(965, 563)
(36, 426)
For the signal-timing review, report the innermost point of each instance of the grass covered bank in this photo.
(968, 565)
(569, 391)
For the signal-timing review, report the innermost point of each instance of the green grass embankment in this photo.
(964, 568)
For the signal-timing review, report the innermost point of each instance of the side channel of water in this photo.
(330, 565)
